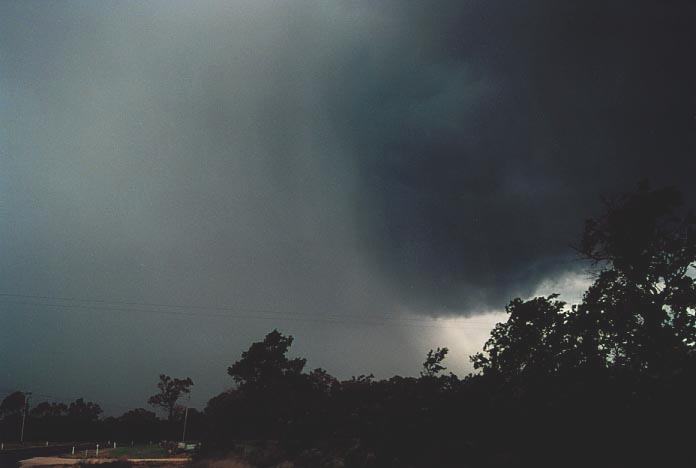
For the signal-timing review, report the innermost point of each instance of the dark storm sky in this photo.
(295, 162)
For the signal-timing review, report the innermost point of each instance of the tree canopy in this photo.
(640, 312)
(170, 391)
(265, 363)
(13, 403)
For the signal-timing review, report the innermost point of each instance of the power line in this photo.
(71, 308)
(381, 320)
(204, 307)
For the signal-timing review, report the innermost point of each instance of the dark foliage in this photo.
(607, 382)
(170, 390)
(433, 362)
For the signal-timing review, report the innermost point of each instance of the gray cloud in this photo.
(487, 133)
(352, 159)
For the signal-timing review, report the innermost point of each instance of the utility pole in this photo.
(183, 436)
(24, 416)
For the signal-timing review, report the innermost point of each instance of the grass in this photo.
(137, 451)
(17, 445)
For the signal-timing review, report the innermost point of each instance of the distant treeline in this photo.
(609, 382)
(80, 421)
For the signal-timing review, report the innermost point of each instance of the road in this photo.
(11, 458)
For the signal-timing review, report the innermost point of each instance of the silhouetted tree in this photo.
(138, 415)
(622, 362)
(48, 410)
(13, 404)
(139, 424)
(84, 410)
(433, 362)
(639, 313)
(170, 390)
(82, 420)
(322, 381)
(49, 421)
(265, 363)
(531, 340)
(273, 389)
(11, 410)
